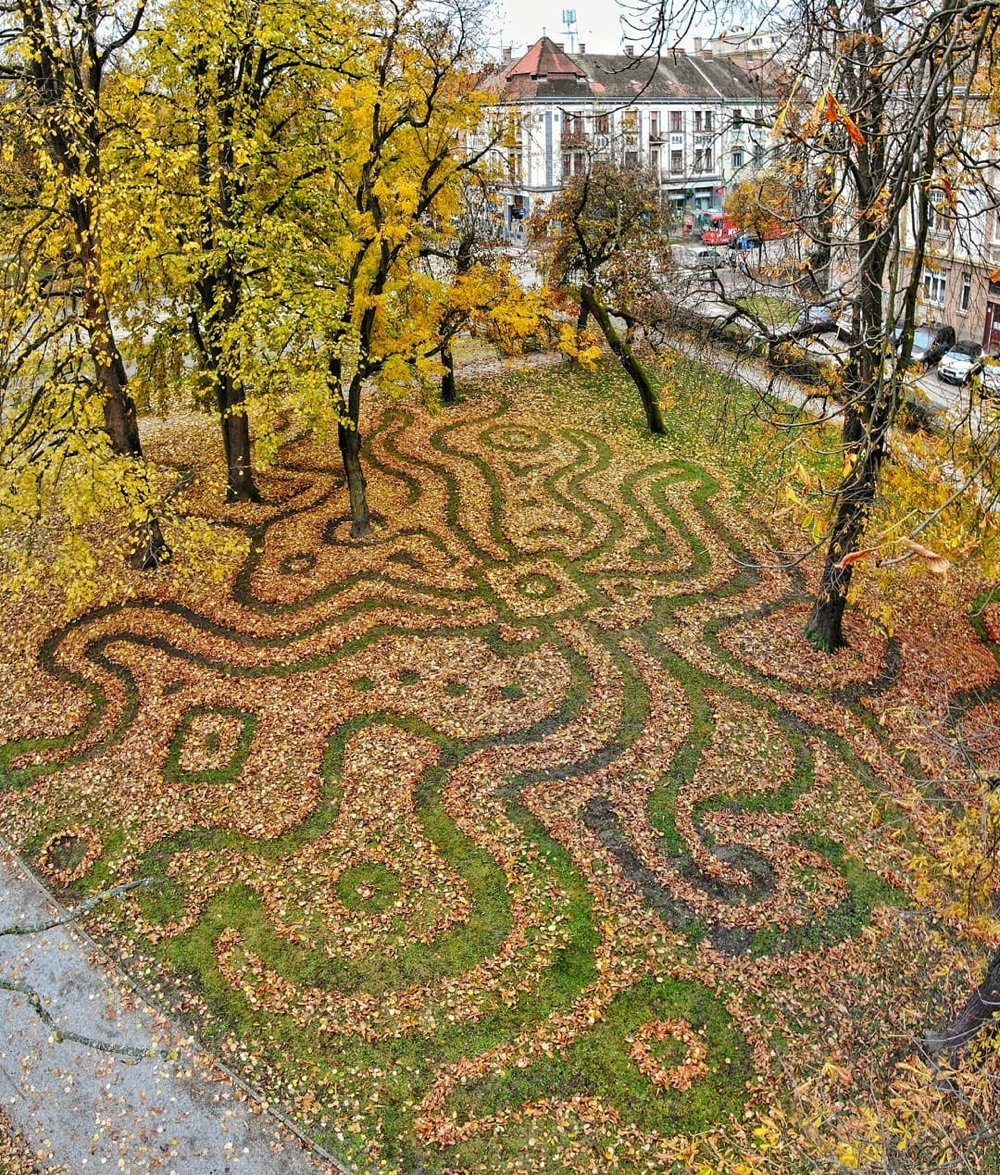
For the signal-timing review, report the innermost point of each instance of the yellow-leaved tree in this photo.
(69, 437)
(378, 284)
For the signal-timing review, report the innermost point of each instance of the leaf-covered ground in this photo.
(525, 835)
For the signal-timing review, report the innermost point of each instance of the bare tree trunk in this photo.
(979, 1008)
(582, 318)
(120, 418)
(109, 371)
(626, 356)
(855, 500)
(350, 450)
(449, 394)
(240, 485)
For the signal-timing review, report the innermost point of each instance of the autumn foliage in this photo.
(530, 822)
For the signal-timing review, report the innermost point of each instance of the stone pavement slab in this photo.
(85, 1110)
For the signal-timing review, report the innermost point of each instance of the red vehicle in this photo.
(720, 230)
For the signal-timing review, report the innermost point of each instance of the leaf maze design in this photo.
(472, 800)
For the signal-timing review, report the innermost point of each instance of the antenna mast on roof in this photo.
(569, 27)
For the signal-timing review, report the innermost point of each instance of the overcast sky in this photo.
(522, 22)
(598, 22)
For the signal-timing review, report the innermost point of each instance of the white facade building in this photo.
(699, 123)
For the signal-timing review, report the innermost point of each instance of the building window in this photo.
(573, 126)
(996, 228)
(676, 121)
(965, 301)
(758, 115)
(703, 159)
(737, 160)
(514, 167)
(935, 287)
(630, 120)
(654, 124)
(758, 154)
(737, 117)
(676, 162)
(708, 120)
(654, 160)
(512, 130)
(602, 124)
(935, 210)
(698, 117)
(573, 163)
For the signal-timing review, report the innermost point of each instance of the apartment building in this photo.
(699, 123)
(961, 276)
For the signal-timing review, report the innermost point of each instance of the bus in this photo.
(719, 230)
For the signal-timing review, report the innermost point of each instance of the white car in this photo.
(958, 364)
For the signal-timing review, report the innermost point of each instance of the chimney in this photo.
(582, 49)
(697, 44)
(629, 50)
(508, 52)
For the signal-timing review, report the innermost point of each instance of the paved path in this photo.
(83, 1110)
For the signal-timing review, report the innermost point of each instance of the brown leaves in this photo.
(833, 111)
(936, 563)
(854, 557)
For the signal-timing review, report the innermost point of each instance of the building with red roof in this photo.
(699, 122)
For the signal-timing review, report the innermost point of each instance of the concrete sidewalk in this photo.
(84, 1110)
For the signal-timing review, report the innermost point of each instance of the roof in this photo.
(545, 59)
(545, 71)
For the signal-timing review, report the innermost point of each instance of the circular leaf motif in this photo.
(680, 1077)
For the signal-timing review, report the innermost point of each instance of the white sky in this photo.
(522, 22)
(598, 22)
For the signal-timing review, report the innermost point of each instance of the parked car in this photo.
(958, 364)
(989, 376)
(821, 316)
(701, 259)
(931, 340)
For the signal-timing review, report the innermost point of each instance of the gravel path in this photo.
(85, 1110)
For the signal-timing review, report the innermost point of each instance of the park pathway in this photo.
(84, 1110)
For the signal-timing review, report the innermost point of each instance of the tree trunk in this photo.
(109, 371)
(825, 625)
(120, 419)
(582, 318)
(980, 1007)
(626, 356)
(350, 450)
(240, 486)
(151, 550)
(448, 392)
